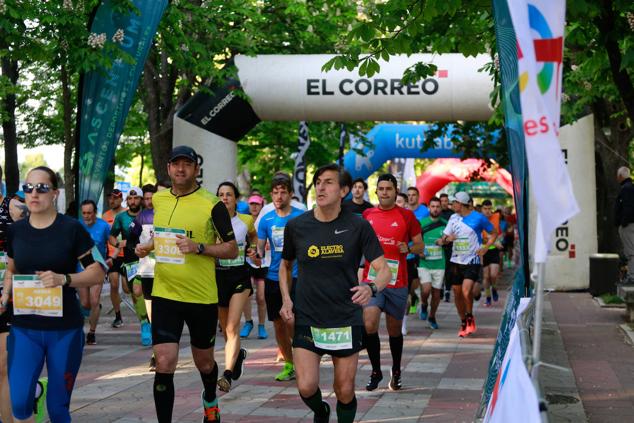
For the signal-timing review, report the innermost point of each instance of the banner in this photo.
(108, 93)
(299, 174)
(539, 28)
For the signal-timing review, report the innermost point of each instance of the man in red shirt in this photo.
(395, 227)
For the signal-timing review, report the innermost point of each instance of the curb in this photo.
(602, 304)
(628, 331)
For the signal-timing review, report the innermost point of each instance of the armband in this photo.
(87, 260)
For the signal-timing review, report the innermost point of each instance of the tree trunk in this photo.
(9, 131)
(69, 140)
(141, 170)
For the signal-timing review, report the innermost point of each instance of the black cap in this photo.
(116, 193)
(183, 151)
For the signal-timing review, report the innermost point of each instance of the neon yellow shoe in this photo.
(287, 373)
(39, 407)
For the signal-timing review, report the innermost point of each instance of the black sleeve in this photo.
(627, 211)
(369, 242)
(9, 242)
(288, 253)
(83, 241)
(135, 232)
(221, 221)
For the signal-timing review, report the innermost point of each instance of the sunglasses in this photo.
(40, 188)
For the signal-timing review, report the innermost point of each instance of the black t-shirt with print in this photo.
(355, 208)
(54, 248)
(328, 255)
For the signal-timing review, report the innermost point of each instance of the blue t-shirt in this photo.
(271, 228)
(242, 207)
(468, 233)
(99, 232)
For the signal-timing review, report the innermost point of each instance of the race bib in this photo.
(433, 252)
(277, 236)
(332, 338)
(31, 297)
(131, 270)
(461, 246)
(393, 265)
(238, 261)
(165, 247)
(3, 265)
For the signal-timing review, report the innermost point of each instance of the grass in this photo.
(611, 299)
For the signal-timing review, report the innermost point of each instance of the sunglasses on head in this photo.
(40, 188)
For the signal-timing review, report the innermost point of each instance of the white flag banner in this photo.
(539, 27)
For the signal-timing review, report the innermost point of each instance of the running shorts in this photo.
(273, 298)
(433, 276)
(168, 317)
(258, 272)
(412, 272)
(228, 287)
(492, 256)
(392, 301)
(303, 338)
(146, 286)
(459, 272)
(117, 265)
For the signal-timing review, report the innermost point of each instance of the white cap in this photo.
(137, 191)
(462, 197)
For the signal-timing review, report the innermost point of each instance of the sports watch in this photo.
(201, 248)
(372, 286)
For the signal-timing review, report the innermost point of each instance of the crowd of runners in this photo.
(187, 256)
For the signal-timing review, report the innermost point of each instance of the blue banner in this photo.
(108, 93)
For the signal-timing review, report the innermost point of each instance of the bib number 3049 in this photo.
(332, 338)
(31, 297)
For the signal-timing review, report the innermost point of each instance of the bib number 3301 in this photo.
(31, 297)
(165, 247)
(332, 338)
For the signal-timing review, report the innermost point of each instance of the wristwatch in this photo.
(201, 248)
(372, 286)
(67, 279)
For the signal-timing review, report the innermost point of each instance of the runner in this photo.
(420, 212)
(491, 259)
(464, 229)
(431, 268)
(51, 334)
(90, 298)
(401, 200)
(357, 204)
(185, 290)
(11, 210)
(234, 285)
(121, 227)
(271, 229)
(395, 227)
(446, 213)
(258, 273)
(116, 255)
(327, 244)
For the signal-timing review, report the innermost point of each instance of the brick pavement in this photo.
(442, 377)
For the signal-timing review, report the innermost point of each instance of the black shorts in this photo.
(492, 256)
(258, 272)
(168, 317)
(146, 286)
(303, 338)
(227, 287)
(117, 265)
(5, 319)
(273, 298)
(459, 272)
(412, 270)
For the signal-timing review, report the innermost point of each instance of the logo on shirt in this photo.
(394, 224)
(325, 251)
(386, 241)
(337, 231)
(313, 251)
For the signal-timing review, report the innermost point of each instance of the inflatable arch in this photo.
(295, 88)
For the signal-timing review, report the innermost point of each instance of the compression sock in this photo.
(228, 374)
(396, 348)
(209, 382)
(139, 308)
(117, 314)
(347, 412)
(164, 396)
(373, 345)
(315, 403)
(487, 291)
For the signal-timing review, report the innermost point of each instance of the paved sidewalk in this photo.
(443, 377)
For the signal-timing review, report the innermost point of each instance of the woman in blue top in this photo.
(43, 252)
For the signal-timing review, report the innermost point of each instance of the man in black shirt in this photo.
(624, 218)
(357, 204)
(328, 243)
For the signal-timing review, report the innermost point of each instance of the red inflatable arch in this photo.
(444, 171)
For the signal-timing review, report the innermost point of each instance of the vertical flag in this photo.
(107, 94)
(299, 174)
(342, 142)
(539, 27)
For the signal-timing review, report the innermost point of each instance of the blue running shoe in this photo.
(262, 332)
(495, 294)
(146, 334)
(246, 329)
(431, 322)
(423, 312)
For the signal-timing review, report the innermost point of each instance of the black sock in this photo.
(164, 396)
(228, 374)
(117, 314)
(347, 412)
(209, 382)
(249, 321)
(467, 315)
(373, 346)
(396, 348)
(315, 403)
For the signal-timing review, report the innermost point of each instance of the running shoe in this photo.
(395, 381)
(326, 418)
(287, 373)
(495, 294)
(146, 334)
(91, 339)
(246, 329)
(487, 303)
(414, 304)
(224, 383)
(423, 312)
(211, 411)
(373, 383)
(117, 323)
(463, 330)
(238, 368)
(262, 332)
(471, 325)
(39, 406)
(152, 366)
(431, 322)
